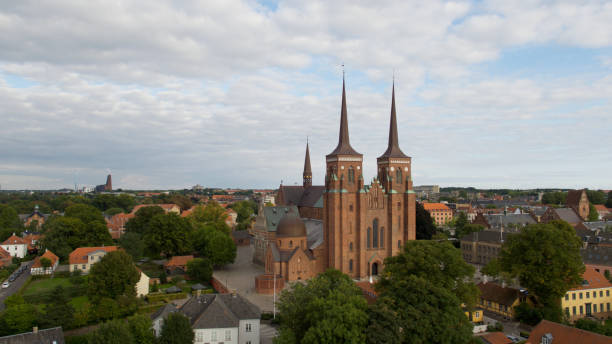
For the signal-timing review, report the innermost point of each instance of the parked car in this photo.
(5, 285)
(12, 279)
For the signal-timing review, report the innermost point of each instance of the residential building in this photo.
(35, 217)
(602, 211)
(429, 192)
(38, 269)
(566, 214)
(83, 258)
(5, 258)
(33, 240)
(591, 299)
(481, 247)
(167, 207)
(231, 218)
(217, 318)
(579, 202)
(548, 332)
(15, 246)
(440, 212)
(499, 299)
(142, 286)
(177, 265)
(504, 222)
(598, 257)
(53, 335)
(116, 224)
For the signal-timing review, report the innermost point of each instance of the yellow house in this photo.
(500, 300)
(476, 316)
(592, 298)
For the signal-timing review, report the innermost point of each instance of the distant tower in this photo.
(109, 183)
(307, 170)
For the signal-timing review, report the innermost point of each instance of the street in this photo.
(14, 286)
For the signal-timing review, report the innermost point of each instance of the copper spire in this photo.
(344, 145)
(307, 181)
(393, 150)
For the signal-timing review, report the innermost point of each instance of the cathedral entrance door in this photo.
(375, 269)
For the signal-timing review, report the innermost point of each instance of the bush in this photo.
(150, 308)
(155, 298)
(83, 339)
(498, 327)
(527, 314)
(64, 274)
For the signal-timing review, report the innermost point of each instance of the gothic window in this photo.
(369, 238)
(290, 243)
(351, 265)
(382, 237)
(398, 175)
(399, 244)
(351, 174)
(375, 234)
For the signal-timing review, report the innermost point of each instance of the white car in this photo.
(5, 285)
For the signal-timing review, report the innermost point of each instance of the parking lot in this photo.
(16, 284)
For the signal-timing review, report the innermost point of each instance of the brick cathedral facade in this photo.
(361, 224)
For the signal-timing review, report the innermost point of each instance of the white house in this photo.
(38, 269)
(15, 246)
(217, 318)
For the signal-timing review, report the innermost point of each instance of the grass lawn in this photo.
(45, 285)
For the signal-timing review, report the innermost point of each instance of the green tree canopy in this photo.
(18, 316)
(62, 235)
(425, 227)
(327, 309)
(59, 312)
(140, 222)
(9, 219)
(212, 214)
(593, 214)
(546, 260)
(140, 327)
(133, 244)
(596, 196)
(556, 198)
(438, 262)
(86, 213)
(114, 331)
(214, 245)
(168, 234)
(609, 201)
(176, 330)
(113, 276)
(199, 269)
(384, 325)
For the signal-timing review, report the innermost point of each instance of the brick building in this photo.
(361, 224)
(440, 212)
(578, 200)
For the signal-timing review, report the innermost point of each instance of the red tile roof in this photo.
(435, 206)
(601, 207)
(79, 256)
(49, 255)
(565, 335)
(15, 240)
(496, 293)
(496, 338)
(178, 261)
(118, 221)
(4, 254)
(593, 280)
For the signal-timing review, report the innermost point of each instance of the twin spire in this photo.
(344, 145)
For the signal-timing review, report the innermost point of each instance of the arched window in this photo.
(290, 243)
(382, 237)
(398, 175)
(369, 238)
(399, 244)
(351, 174)
(351, 265)
(375, 234)
(351, 246)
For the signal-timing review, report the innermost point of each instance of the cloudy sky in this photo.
(169, 94)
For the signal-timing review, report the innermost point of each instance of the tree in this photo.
(140, 327)
(45, 263)
(593, 214)
(59, 312)
(609, 201)
(115, 331)
(212, 214)
(113, 211)
(546, 260)
(428, 313)
(113, 276)
(86, 213)
(556, 198)
(62, 235)
(133, 244)
(199, 269)
(425, 227)
(440, 263)
(214, 245)
(140, 222)
(182, 201)
(327, 309)
(383, 324)
(168, 234)
(9, 218)
(18, 316)
(176, 330)
(596, 197)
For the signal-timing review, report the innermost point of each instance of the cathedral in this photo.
(344, 224)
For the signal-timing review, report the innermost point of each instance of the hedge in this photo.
(149, 308)
(154, 298)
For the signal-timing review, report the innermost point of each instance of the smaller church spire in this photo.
(393, 149)
(307, 169)
(344, 145)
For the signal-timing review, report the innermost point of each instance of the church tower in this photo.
(307, 175)
(394, 174)
(343, 180)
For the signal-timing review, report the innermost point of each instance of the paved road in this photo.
(15, 285)
(267, 333)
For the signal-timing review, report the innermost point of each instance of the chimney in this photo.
(35, 329)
